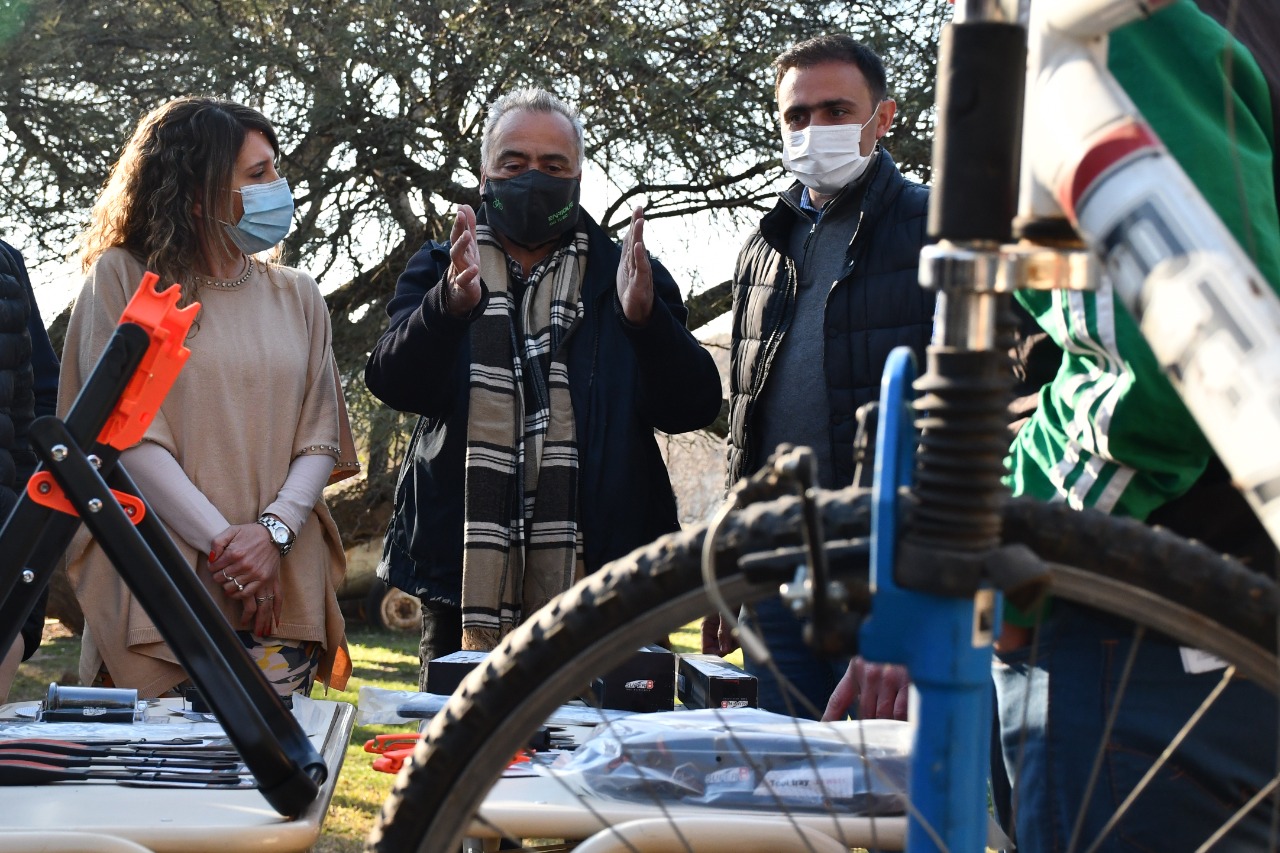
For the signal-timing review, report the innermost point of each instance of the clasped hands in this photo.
(246, 563)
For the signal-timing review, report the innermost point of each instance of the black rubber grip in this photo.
(981, 75)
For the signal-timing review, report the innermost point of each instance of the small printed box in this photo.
(444, 674)
(646, 682)
(710, 681)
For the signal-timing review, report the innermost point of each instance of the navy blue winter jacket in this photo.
(624, 381)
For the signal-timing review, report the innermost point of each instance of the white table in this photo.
(66, 816)
(540, 807)
(537, 807)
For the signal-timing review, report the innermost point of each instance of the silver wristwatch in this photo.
(280, 532)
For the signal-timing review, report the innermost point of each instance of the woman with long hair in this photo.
(255, 426)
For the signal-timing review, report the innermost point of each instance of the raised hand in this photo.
(635, 274)
(462, 287)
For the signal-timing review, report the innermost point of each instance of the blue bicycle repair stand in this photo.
(934, 637)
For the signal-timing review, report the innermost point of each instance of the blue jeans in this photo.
(1063, 700)
(814, 677)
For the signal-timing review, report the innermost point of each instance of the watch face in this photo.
(276, 529)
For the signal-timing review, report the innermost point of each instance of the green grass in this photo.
(57, 659)
(379, 658)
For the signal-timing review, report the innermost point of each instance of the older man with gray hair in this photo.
(541, 357)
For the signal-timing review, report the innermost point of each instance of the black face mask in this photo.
(533, 208)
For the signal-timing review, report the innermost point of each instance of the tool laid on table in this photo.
(179, 762)
(543, 741)
(17, 772)
(64, 704)
(191, 748)
(394, 748)
(150, 762)
(129, 743)
(423, 706)
(391, 750)
(550, 737)
(392, 742)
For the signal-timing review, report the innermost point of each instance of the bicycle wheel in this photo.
(1172, 586)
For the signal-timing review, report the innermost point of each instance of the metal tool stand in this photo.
(935, 609)
(80, 479)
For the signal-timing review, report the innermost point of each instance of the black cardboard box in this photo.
(710, 681)
(646, 682)
(444, 674)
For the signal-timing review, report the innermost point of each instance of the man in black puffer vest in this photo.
(824, 289)
(28, 389)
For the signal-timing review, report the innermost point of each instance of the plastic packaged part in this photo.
(382, 707)
(746, 758)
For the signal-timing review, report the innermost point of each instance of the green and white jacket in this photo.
(1110, 431)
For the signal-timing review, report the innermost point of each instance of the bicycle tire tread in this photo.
(445, 771)
(1207, 581)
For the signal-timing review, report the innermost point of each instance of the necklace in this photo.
(201, 281)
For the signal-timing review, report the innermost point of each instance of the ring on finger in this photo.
(239, 586)
(261, 599)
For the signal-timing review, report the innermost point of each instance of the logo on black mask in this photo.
(533, 208)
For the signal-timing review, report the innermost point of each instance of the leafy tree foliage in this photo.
(379, 105)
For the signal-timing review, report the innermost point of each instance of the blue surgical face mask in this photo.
(268, 216)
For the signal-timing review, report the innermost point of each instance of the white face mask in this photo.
(826, 158)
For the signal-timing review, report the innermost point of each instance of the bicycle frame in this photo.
(80, 479)
(1204, 308)
(947, 651)
(1089, 159)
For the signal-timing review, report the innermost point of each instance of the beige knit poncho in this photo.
(259, 389)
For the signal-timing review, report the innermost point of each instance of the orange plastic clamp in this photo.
(392, 741)
(45, 491)
(392, 760)
(167, 326)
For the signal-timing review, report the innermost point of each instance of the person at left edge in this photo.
(541, 358)
(28, 390)
(235, 461)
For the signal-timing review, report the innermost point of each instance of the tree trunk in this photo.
(63, 605)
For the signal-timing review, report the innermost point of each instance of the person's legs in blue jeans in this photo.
(812, 676)
(1054, 713)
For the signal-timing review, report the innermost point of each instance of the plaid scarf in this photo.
(521, 542)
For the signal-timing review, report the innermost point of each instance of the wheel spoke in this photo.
(1120, 568)
(1100, 750)
(1164, 757)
